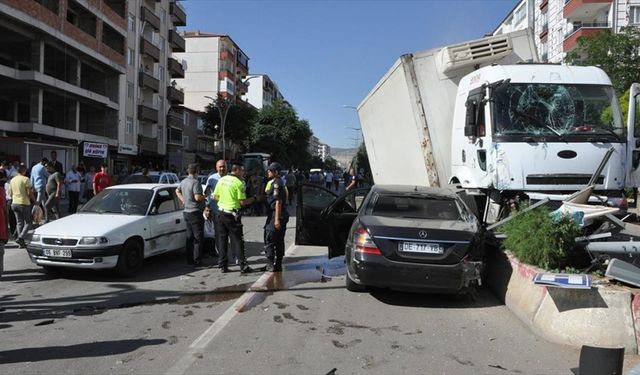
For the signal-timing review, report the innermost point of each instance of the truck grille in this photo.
(561, 179)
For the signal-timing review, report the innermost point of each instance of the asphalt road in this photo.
(173, 320)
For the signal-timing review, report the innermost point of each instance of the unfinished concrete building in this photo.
(62, 65)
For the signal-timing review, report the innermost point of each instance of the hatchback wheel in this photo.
(130, 259)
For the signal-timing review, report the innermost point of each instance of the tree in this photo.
(361, 161)
(277, 130)
(616, 54)
(238, 124)
(330, 164)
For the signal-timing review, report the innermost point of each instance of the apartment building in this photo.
(262, 91)
(557, 24)
(152, 118)
(62, 64)
(324, 151)
(89, 79)
(215, 64)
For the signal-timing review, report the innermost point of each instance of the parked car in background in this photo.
(400, 237)
(156, 178)
(117, 229)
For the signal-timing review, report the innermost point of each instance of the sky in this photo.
(327, 54)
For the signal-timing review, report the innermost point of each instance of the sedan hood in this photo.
(82, 224)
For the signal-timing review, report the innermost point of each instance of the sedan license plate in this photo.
(419, 247)
(60, 253)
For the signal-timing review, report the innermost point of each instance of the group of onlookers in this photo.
(213, 215)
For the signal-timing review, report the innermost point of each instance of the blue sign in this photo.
(561, 280)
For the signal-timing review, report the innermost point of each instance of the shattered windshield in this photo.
(556, 110)
(119, 201)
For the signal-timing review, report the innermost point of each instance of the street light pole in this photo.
(223, 111)
(223, 106)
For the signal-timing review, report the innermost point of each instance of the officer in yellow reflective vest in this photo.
(277, 218)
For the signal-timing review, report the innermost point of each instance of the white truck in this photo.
(485, 116)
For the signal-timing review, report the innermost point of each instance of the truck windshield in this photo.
(556, 110)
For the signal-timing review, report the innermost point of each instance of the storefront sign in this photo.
(128, 149)
(95, 150)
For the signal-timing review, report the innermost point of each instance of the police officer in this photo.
(277, 218)
(230, 195)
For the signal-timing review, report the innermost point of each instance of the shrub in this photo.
(535, 238)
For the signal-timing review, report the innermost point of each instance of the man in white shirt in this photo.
(73, 182)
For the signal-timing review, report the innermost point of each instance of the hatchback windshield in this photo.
(120, 201)
(432, 208)
(525, 109)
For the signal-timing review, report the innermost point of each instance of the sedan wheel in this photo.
(352, 286)
(130, 259)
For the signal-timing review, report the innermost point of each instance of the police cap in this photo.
(274, 167)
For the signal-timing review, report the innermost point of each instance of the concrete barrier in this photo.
(606, 315)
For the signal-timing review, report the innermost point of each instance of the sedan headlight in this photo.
(35, 238)
(93, 240)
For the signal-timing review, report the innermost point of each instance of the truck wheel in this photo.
(130, 259)
(352, 286)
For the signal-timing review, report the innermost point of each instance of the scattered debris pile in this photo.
(611, 237)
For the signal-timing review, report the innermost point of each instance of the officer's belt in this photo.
(233, 212)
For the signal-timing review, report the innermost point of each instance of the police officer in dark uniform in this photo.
(277, 218)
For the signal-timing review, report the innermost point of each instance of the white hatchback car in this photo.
(117, 229)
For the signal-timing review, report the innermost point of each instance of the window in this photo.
(186, 118)
(161, 105)
(185, 141)
(130, 56)
(161, 74)
(132, 22)
(129, 125)
(163, 16)
(162, 43)
(634, 15)
(164, 202)
(200, 124)
(130, 90)
(520, 14)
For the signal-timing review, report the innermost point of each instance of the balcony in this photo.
(174, 137)
(584, 29)
(178, 15)
(543, 5)
(177, 42)
(148, 81)
(175, 68)
(544, 32)
(147, 15)
(146, 113)
(175, 118)
(148, 143)
(174, 95)
(147, 48)
(585, 9)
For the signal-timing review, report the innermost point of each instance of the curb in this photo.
(606, 315)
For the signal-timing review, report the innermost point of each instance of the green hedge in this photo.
(535, 238)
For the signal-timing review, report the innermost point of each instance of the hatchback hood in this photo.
(82, 224)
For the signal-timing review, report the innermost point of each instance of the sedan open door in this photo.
(323, 218)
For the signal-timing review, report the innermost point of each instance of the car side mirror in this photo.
(154, 211)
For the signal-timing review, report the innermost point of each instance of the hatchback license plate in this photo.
(60, 253)
(417, 247)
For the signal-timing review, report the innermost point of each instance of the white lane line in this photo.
(196, 348)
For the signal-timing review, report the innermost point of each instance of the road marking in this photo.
(198, 345)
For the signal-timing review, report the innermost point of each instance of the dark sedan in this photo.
(400, 237)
